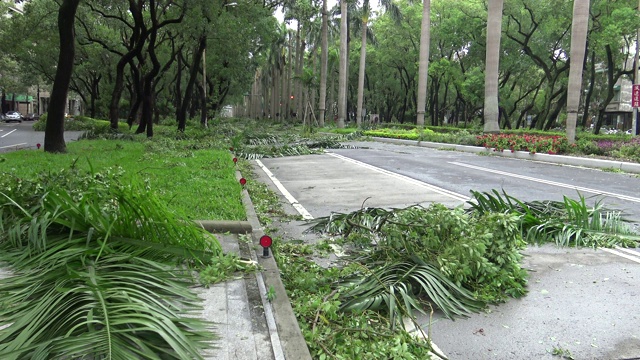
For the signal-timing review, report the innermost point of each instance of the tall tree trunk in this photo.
(423, 65)
(363, 58)
(579, 27)
(342, 74)
(494, 32)
(193, 72)
(324, 58)
(203, 114)
(54, 131)
(587, 100)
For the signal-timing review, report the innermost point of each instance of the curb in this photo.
(524, 155)
(292, 344)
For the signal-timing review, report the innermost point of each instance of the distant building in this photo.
(36, 100)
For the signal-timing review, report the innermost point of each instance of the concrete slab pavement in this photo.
(236, 309)
(580, 300)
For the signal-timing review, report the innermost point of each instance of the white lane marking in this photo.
(11, 146)
(614, 252)
(433, 188)
(9, 133)
(568, 186)
(296, 205)
(628, 251)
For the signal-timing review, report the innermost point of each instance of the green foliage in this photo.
(223, 267)
(413, 134)
(163, 164)
(460, 252)
(549, 144)
(81, 123)
(567, 223)
(331, 333)
(94, 272)
(562, 352)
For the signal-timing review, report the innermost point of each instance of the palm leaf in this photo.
(400, 288)
(94, 282)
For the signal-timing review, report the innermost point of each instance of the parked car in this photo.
(13, 116)
(31, 117)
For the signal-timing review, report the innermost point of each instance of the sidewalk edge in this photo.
(292, 341)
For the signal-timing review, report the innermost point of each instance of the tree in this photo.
(423, 71)
(342, 73)
(54, 132)
(324, 59)
(579, 29)
(494, 32)
(393, 10)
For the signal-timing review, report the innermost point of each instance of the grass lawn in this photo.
(199, 184)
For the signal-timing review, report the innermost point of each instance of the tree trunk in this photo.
(363, 58)
(423, 65)
(579, 27)
(193, 75)
(342, 77)
(324, 58)
(54, 131)
(494, 32)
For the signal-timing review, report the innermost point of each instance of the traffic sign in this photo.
(635, 96)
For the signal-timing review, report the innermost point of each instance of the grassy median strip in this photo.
(199, 184)
(100, 255)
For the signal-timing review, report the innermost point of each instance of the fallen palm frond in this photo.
(434, 255)
(567, 223)
(366, 219)
(100, 276)
(399, 288)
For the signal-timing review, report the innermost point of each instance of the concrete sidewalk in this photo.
(241, 315)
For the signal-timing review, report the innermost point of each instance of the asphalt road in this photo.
(15, 136)
(583, 301)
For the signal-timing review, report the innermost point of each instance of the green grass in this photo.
(200, 184)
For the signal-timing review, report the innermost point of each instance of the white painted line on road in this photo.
(433, 188)
(9, 133)
(296, 205)
(628, 251)
(614, 252)
(568, 186)
(11, 146)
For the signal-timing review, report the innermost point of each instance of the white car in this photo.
(13, 116)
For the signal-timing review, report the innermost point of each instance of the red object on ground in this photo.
(265, 241)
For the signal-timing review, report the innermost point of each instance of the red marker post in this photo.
(265, 242)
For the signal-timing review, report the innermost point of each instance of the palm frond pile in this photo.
(458, 260)
(98, 272)
(569, 222)
(418, 258)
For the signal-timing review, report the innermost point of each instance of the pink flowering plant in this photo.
(548, 144)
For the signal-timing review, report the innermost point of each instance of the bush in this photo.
(551, 144)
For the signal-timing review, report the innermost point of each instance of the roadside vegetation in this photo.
(101, 249)
(119, 203)
(403, 262)
(618, 146)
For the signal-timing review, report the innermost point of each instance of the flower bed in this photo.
(549, 144)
